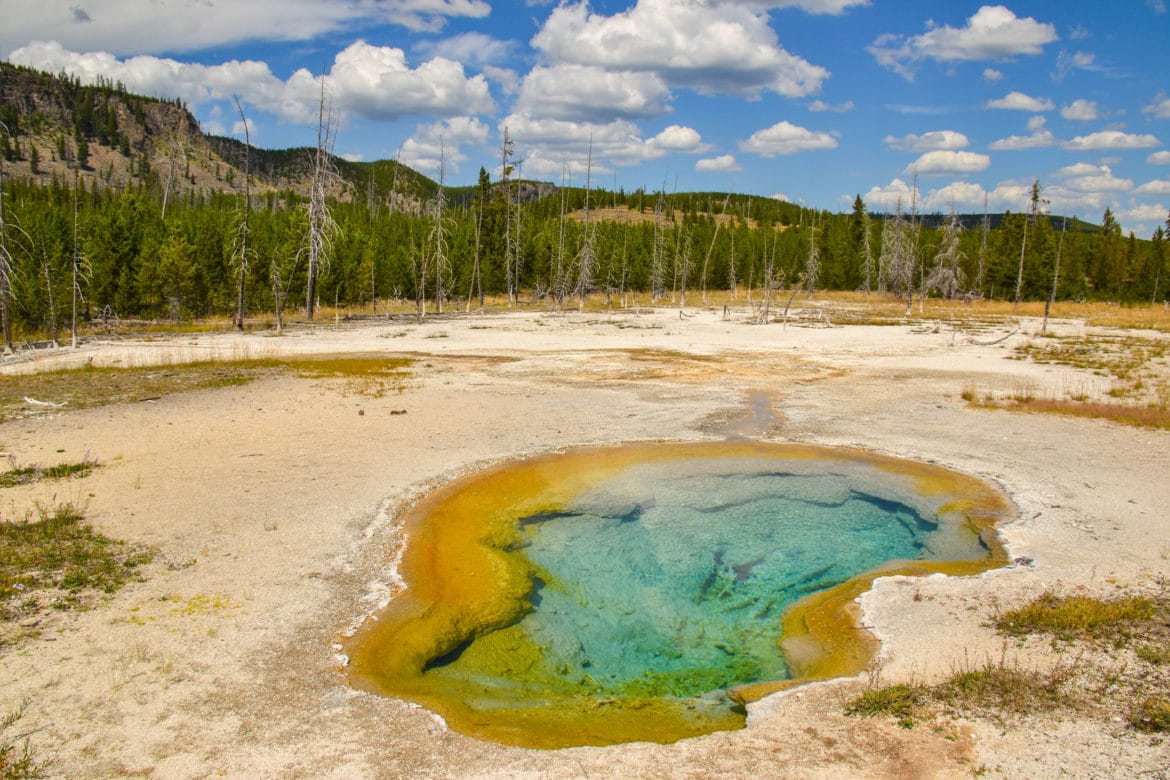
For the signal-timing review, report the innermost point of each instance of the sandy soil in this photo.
(273, 506)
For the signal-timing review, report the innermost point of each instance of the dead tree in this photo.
(244, 228)
(507, 151)
(732, 282)
(1033, 211)
(438, 237)
(45, 267)
(896, 260)
(5, 260)
(585, 269)
(176, 150)
(711, 248)
(281, 276)
(867, 251)
(476, 281)
(947, 275)
(559, 286)
(769, 282)
(658, 261)
(321, 228)
(1056, 277)
(683, 263)
(812, 265)
(983, 247)
(77, 266)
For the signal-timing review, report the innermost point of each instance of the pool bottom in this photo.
(471, 586)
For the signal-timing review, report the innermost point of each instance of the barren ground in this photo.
(273, 505)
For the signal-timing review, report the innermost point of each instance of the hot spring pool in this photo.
(646, 592)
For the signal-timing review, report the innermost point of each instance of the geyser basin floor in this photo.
(647, 592)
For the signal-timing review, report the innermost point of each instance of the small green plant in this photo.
(25, 475)
(1158, 655)
(58, 558)
(1152, 714)
(17, 758)
(902, 702)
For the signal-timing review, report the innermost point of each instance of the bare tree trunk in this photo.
(475, 273)
(732, 283)
(507, 148)
(868, 250)
(5, 263)
(321, 224)
(559, 286)
(175, 149)
(439, 235)
(242, 235)
(812, 265)
(1056, 278)
(658, 261)
(49, 292)
(1033, 210)
(711, 248)
(1020, 276)
(983, 248)
(685, 264)
(76, 270)
(586, 267)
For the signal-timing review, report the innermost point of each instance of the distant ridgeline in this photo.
(154, 209)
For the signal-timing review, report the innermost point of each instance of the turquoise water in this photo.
(671, 579)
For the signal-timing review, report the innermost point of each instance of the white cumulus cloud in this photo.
(711, 48)
(546, 143)
(820, 106)
(437, 147)
(944, 162)
(583, 92)
(1080, 111)
(1085, 177)
(1110, 139)
(787, 138)
(677, 138)
(1040, 138)
(830, 7)
(724, 162)
(928, 142)
(1155, 187)
(1160, 108)
(117, 26)
(1018, 101)
(993, 33)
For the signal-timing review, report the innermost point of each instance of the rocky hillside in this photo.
(104, 135)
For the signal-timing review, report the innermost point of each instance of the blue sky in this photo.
(815, 101)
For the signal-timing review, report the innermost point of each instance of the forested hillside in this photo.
(122, 198)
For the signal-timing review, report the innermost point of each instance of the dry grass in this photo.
(995, 690)
(1120, 672)
(1156, 416)
(92, 386)
(1076, 617)
(1135, 369)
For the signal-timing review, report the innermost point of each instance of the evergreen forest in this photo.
(115, 206)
